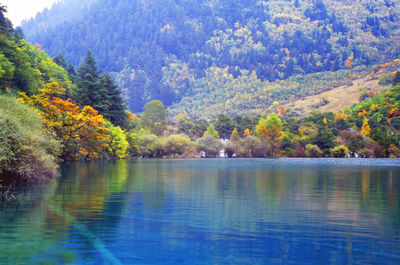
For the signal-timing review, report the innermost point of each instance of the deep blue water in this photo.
(250, 211)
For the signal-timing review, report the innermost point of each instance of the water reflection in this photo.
(213, 211)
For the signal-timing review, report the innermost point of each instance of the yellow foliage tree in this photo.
(301, 133)
(235, 136)
(118, 144)
(365, 129)
(81, 132)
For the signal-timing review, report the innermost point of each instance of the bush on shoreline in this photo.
(27, 152)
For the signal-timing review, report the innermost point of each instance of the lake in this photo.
(219, 211)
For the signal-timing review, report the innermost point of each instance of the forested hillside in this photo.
(171, 49)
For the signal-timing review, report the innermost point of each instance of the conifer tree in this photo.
(5, 24)
(87, 93)
(100, 92)
(60, 60)
(115, 111)
(18, 34)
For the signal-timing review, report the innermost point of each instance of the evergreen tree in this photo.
(5, 24)
(224, 125)
(98, 91)
(60, 60)
(18, 34)
(116, 107)
(88, 91)
(72, 73)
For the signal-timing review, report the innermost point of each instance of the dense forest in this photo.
(173, 50)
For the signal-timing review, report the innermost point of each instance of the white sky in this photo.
(19, 10)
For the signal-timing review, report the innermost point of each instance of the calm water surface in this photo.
(280, 211)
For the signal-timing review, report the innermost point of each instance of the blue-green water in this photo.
(283, 211)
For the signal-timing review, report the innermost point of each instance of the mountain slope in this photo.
(166, 49)
(336, 99)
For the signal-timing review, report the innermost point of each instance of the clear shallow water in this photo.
(280, 211)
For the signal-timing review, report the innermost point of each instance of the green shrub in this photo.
(176, 144)
(340, 151)
(131, 137)
(27, 152)
(393, 151)
(386, 78)
(209, 144)
(313, 151)
(149, 145)
(252, 146)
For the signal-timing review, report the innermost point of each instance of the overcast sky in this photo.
(19, 10)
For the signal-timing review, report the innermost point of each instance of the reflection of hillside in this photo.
(238, 198)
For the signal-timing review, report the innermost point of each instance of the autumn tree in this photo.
(234, 135)
(81, 131)
(365, 129)
(270, 130)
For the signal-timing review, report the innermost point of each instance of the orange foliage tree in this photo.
(246, 132)
(81, 132)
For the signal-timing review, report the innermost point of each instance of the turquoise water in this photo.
(278, 211)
